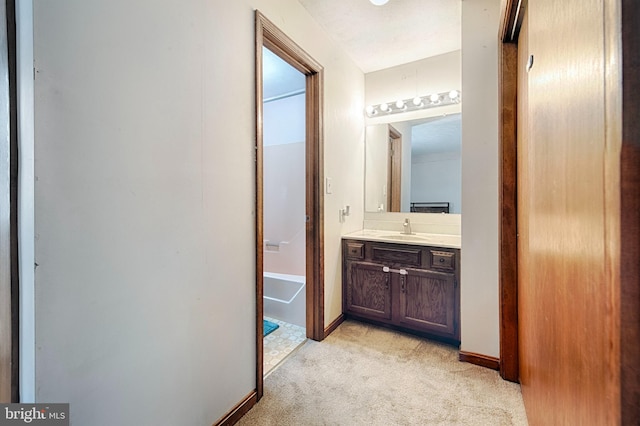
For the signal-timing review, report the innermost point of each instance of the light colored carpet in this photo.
(366, 375)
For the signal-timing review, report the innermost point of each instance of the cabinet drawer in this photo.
(443, 260)
(404, 256)
(355, 250)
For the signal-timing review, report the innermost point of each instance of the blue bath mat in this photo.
(269, 327)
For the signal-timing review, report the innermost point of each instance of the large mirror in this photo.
(414, 166)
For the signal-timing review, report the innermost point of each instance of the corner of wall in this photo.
(479, 279)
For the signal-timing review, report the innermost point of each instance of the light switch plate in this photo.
(328, 186)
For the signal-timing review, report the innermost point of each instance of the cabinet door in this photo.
(428, 302)
(368, 290)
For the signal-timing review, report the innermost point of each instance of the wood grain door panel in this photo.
(369, 290)
(427, 301)
(566, 324)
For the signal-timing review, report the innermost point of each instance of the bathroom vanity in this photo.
(410, 282)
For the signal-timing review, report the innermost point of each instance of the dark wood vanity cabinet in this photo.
(427, 301)
(415, 288)
(371, 295)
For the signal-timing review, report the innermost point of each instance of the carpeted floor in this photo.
(366, 375)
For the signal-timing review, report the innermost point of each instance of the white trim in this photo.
(26, 215)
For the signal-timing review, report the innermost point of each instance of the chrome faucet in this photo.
(406, 227)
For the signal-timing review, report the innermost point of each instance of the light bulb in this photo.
(384, 107)
(417, 101)
(400, 104)
(434, 98)
(379, 2)
(453, 95)
(370, 110)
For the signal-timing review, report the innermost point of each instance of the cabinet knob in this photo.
(442, 260)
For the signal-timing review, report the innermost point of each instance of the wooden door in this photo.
(427, 301)
(578, 209)
(567, 309)
(522, 184)
(394, 184)
(368, 290)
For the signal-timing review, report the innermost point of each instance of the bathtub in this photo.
(285, 297)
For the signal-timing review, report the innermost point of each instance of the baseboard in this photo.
(238, 411)
(481, 360)
(333, 325)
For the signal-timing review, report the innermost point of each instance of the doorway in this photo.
(283, 215)
(270, 37)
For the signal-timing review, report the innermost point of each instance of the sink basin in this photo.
(405, 237)
(422, 239)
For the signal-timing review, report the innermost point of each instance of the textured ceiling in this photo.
(402, 31)
(375, 37)
(438, 134)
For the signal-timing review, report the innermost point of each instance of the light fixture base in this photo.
(414, 104)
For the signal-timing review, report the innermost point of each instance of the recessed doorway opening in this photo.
(309, 164)
(284, 208)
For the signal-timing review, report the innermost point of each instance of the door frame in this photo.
(394, 171)
(270, 36)
(511, 19)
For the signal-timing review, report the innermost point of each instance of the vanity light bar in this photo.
(414, 104)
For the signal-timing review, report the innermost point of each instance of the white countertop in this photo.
(417, 238)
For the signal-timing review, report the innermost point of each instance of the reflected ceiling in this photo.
(438, 134)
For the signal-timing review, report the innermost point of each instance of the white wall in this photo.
(430, 75)
(283, 183)
(284, 208)
(144, 195)
(480, 326)
(283, 120)
(26, 233)
(439, 175)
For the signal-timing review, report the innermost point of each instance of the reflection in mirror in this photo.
(414, 166)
